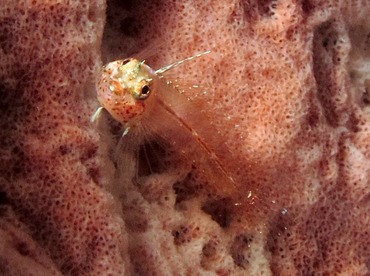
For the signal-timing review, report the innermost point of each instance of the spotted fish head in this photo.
(123, 88)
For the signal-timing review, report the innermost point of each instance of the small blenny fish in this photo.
(148, 105)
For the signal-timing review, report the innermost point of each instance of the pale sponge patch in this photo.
(286, 108)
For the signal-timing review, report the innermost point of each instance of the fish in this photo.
(151, 107)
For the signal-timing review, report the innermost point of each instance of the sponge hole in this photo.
(185, 233)
(240, 250)
(220, 211)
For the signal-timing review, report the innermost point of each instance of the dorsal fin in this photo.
(172, 65)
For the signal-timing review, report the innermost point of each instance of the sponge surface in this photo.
(286, 110)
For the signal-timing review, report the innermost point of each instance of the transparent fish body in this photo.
(150, 108)
(153, 112)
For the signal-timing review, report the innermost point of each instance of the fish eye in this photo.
(125, 61)
(145, 91)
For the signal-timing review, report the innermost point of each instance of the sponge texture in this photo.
(49, 168)
(287, 94)
(287, 112)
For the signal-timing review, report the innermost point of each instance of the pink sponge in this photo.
(49, 167)
(287, 97)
